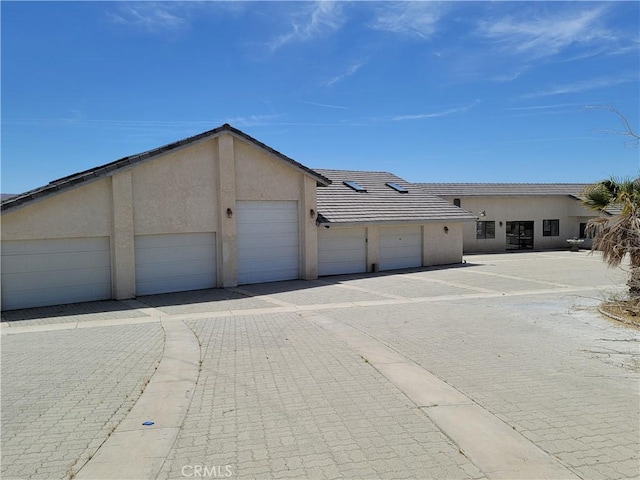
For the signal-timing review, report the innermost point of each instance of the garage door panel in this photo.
(177, 283)
(54, 280)
(264, 229)
(175, 262)
(400, 247)
(268, 241)
(342, 251)
(170, 269)
(53, 296)
(187, 253)
(41, 262)
(52, 246)
(55, 271)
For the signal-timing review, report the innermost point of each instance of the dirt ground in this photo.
(628, 311)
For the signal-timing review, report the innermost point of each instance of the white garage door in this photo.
(342, 250)
(400, 247)
(175, 262)
(52, 272)
(268, 244)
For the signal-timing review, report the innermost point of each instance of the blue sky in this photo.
(432, 91)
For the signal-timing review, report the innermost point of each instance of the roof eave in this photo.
(363, 223)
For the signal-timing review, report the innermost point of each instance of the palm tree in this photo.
(617, 233)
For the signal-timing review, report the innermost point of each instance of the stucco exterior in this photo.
(502, 209)
(85, 211)
(157, 208)
(190, 189)
(442, 243)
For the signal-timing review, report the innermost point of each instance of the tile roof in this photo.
(338, 203)
(500, 189)
(70, 181)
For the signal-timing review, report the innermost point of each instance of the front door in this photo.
(519, 235)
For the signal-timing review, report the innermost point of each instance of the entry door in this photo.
(520, 235)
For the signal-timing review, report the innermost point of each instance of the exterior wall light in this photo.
(229, 213)
(446, 229)
(312, 213)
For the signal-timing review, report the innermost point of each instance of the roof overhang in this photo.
(366, 223)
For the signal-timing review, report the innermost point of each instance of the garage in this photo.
(400, 247)
(268, 241)
(175, 262)
(342, 250)
(55, 271)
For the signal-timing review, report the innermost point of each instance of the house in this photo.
(518, 216)
(376, 220)
(217, 209)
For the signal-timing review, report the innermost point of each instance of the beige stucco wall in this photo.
(308, 229)
(174, 193)
(373, 247)
(183, 191)
(82, 212)
(442, 246)
(259, 176)
(533, 208)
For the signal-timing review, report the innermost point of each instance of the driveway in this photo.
(498, 368)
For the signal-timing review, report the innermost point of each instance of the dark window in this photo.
(456, 202)
(397, 187)
(583, 231)
(486, 230)
(355, 186)
(551, 228)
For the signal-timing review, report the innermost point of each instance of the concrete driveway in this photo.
(499, 368)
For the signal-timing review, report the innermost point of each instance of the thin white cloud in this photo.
(547, 32)
(314, 19)
(252, 120)
(151, 16)
(545, 107)
(326, 105)
(167, 16)
(506, 78)
(414, 19)
(443, 113)
(584, 86)
(349, 72)
(80, 120)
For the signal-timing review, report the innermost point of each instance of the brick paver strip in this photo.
(63, 392)
(280, 397)
(137, 451)
(498, 450)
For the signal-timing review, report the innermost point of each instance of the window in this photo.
(396, 187)
(485, 230)
(583, 231)
(355, 186)
(456, 202)
(551, 228)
